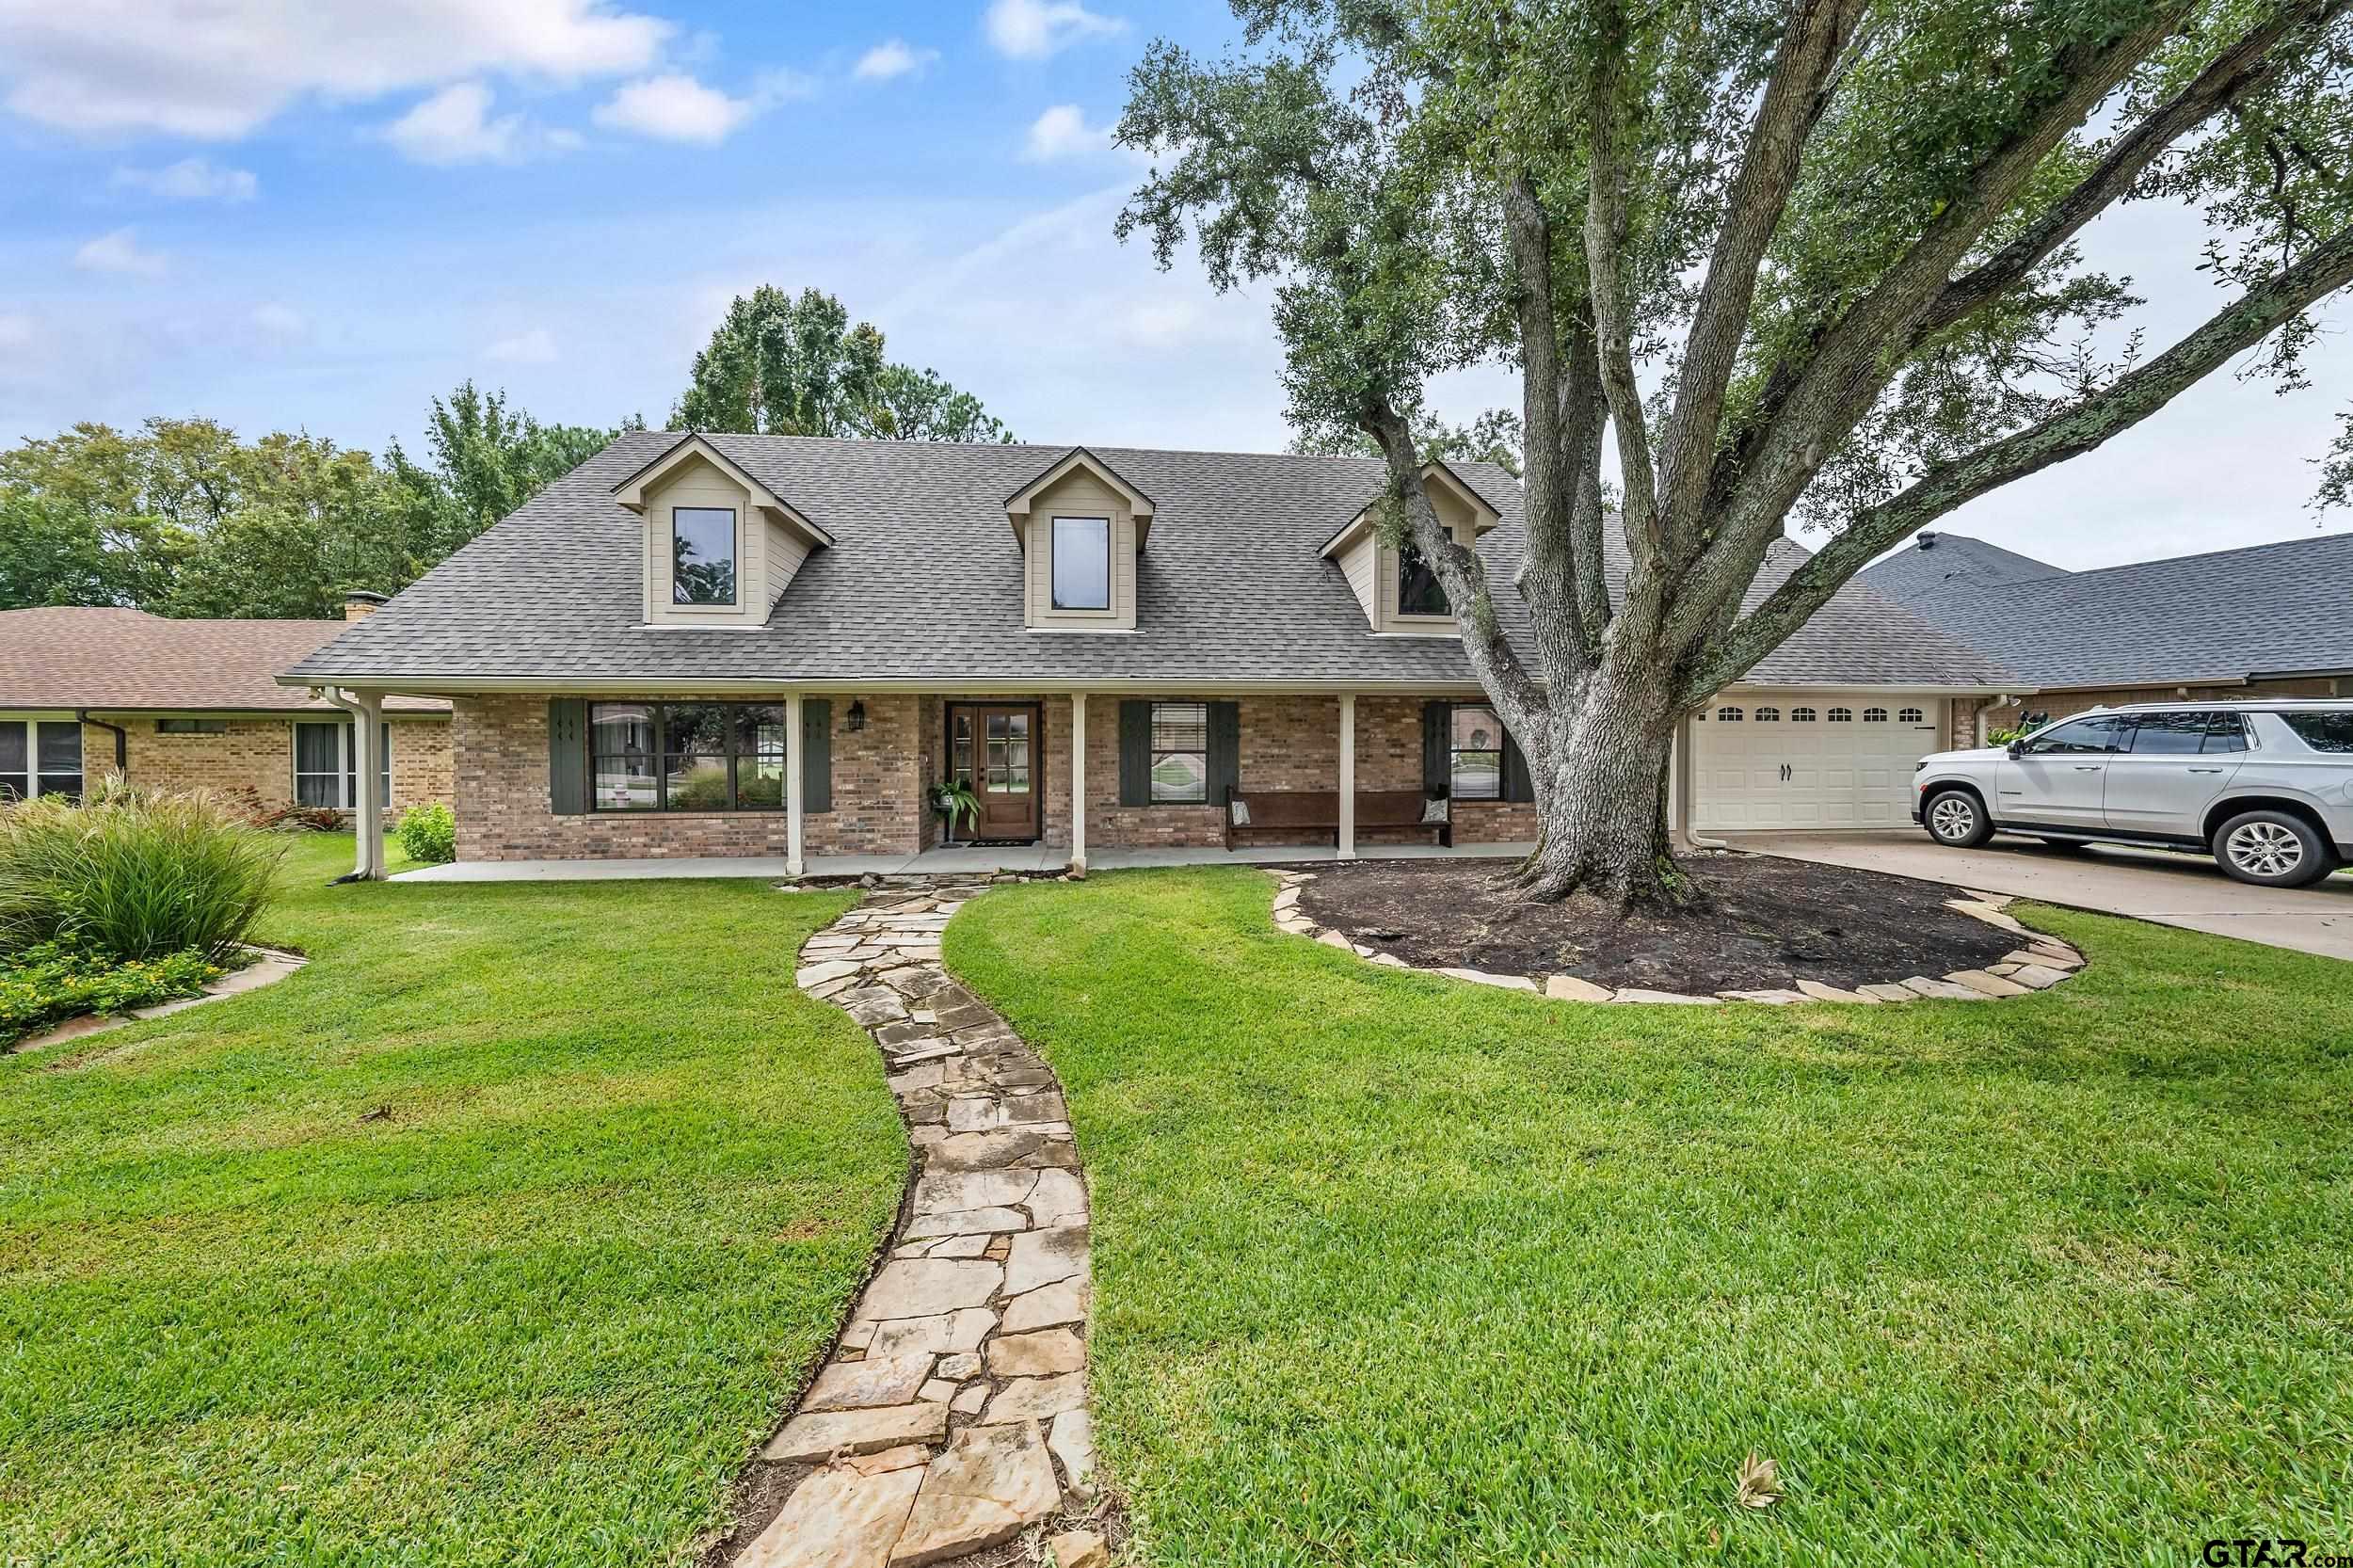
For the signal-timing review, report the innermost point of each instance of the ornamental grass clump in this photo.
(133, 874)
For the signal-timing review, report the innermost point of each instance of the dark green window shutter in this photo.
(567, 755)
(816, 754)
(1135, 754)
(1224, 750)
(1518, 783)
(1437, 753)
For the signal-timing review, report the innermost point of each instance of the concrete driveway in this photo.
(2151, 885)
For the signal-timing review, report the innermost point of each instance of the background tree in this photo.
(782, 366)
(486, 461)
(181, 518)
(1774, 259)
(1494, 437)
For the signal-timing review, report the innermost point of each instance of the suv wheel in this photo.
(1956, 819)
(2271, 849)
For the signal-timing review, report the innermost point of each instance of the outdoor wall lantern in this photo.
(857, 718)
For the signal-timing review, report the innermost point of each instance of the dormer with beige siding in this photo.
(720, 547)
(1398, 601)
(1081, 527)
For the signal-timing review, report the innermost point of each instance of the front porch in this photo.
(988, 859)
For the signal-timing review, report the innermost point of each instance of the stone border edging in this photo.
(270, 967)
(951, 1415)
(2041, 964)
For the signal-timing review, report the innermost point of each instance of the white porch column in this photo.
(367, 764)
(1348, 776)
(1077, 783)
(794, 865)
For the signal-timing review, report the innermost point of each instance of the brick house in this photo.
(91, 691)
(2273, 620)
(719, 644)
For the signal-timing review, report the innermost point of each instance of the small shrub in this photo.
(51, 982)
(428, 834)
(133, 874)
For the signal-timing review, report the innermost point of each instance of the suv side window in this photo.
(2077, 737)
(2322, 732)
(2171, 734)
(2188, 734)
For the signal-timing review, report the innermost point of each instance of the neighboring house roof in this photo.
(113, 659)
(923, 586)
(1936, 564)
(2228, 616)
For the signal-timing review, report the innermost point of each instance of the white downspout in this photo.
(367, 720)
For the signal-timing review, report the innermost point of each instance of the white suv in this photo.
(2265, 787)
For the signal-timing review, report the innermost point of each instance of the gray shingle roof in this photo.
(925, 583)
(2274, 609)
(1936, 564)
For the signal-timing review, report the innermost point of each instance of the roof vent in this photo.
(1927, 540)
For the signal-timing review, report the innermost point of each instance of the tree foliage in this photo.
(783, 366)
(1771, 261)
(184, 518)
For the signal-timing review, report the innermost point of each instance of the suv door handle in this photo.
(2089, 767)
(2205, 770)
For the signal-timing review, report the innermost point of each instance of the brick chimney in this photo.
(359, 605)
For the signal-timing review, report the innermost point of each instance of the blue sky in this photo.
(318, 215)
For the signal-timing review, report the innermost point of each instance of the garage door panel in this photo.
(1853, 773)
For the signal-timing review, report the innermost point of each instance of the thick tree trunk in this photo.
(1602, 809)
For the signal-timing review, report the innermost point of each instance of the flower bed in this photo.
(51, 982)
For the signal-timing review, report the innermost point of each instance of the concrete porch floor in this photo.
(932, 862)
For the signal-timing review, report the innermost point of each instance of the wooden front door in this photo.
(994, 747)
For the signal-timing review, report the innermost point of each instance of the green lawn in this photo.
(1396, 1270)
(540, 1314)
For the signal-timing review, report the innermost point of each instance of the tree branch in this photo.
(1552, 576)
(2247, 65)
(2073, 431)
(1520, 702)
(1860, 352)
(1814, 37)
(1613, 333)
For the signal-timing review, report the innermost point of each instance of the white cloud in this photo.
(892, 57)
(217, 69)
(192, 179)
(118, 253)
(675, 107)
(1063, 131)
(455, 127)
(534, 347)
(281, 323)
(1034, 29)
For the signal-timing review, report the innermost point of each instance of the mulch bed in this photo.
(1771, 923)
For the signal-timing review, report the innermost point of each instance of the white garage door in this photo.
(1811, 759)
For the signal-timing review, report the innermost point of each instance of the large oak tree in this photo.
(1809, 261)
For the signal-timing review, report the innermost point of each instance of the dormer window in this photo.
(702, 555)
(1080, 527)
(1399, 589)
(720, 546)
(1418, 590)
(1082, 563)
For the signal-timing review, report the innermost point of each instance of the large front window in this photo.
(327, 768)
(1083, 564)
(1476, 764)
(702, 555)
(687, 755)
(1418, 590)
(39, 756)
(1180, 753)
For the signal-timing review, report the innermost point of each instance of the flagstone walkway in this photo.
(953, 1416)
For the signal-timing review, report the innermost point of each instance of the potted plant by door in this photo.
(951, 800)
